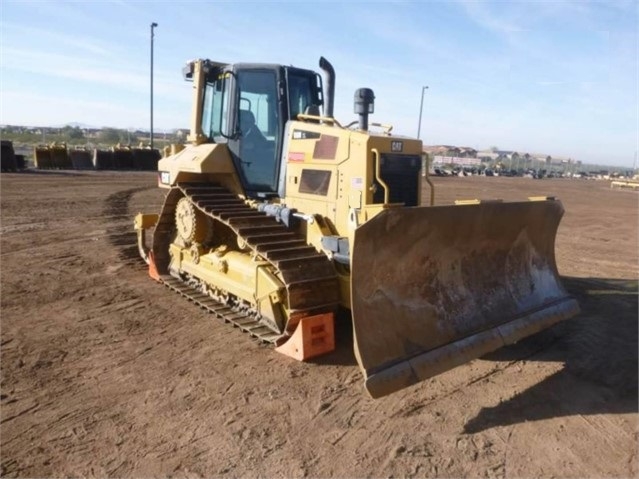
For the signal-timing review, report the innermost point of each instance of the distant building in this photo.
(452, 151)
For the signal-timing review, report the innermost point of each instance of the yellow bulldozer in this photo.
(276, 216)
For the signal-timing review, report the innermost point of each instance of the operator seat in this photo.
(251, 134)
(247, 121)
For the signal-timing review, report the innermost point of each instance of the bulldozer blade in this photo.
(435, 287)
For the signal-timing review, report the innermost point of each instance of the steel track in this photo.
(246, 322)
(308, 276)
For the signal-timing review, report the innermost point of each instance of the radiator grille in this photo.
(401, 174)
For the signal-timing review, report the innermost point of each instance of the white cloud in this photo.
(88, 70)
(47, 39)
(489, 19)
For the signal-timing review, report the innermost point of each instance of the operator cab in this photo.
(247, 106)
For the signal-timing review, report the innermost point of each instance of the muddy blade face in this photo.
(435, 287)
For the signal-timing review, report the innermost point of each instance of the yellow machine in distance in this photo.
(276, 215)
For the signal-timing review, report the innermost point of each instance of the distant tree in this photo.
(127, 136)
(72, 132)
(494, 149)
(109, 135)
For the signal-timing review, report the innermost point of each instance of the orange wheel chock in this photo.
(313, 336)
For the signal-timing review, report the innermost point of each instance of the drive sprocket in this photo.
(192, 225)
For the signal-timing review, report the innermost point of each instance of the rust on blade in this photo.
(435, 287)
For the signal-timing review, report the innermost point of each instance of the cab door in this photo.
(259, 121)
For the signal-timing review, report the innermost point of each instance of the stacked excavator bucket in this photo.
(435, 287)
(80, 159)
(8, 160)
(102, 159)
(58, 157)
(53, 156)
(146, 159)
(122, 158)
(42, 157)
(126, 158)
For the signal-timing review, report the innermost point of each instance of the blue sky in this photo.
(553, 77)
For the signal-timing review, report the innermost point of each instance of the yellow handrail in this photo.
(378, 176)
(325, 119)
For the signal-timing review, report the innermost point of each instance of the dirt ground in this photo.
(107, 373)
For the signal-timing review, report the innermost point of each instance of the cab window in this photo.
(301, 93)
(215, 108)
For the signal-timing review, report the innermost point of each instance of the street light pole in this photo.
(421, 107)
(153, 25)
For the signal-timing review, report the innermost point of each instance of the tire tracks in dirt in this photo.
(132, 381)
(122, 238)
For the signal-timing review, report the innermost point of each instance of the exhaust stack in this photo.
(330, 86)
(364, 105)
